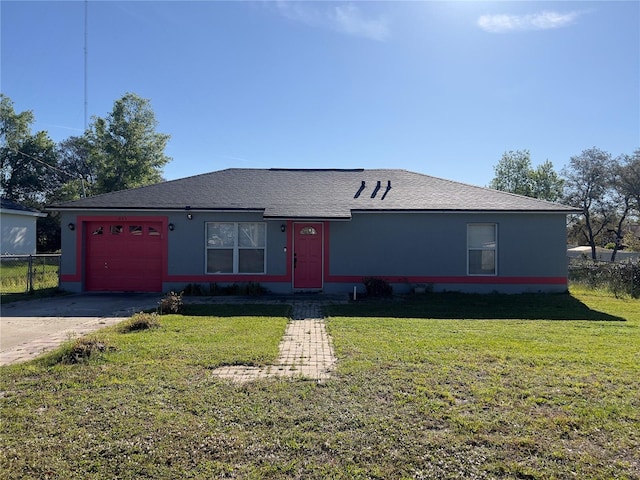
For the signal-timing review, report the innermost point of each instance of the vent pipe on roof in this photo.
(360, 190)
(387, 190)
(375, 191)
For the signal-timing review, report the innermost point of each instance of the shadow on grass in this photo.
(237, 310)
(475, 306)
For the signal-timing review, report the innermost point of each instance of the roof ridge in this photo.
(316, 169)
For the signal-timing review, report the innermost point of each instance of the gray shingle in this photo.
(298, 193)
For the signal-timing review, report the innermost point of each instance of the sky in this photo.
(440, 88)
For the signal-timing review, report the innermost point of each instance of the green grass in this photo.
(13, 277)
(494, 390)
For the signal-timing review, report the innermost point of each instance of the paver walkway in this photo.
(305, 350)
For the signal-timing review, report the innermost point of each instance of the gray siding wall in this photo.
(413, 244)
(187, 243)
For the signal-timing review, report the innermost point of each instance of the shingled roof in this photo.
(10, 206)
(313, 194)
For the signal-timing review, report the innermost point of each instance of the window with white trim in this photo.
(236, 247)
(482, 248)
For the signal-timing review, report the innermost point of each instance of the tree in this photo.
(125, 150)
(626, 195)
(630, 177)
(514, 174)
(588, 178)
(28, 162)
(73, 157)
(546, 183)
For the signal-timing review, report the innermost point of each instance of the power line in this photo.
(81, 178)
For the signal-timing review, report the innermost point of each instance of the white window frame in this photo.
(493, 249)
(236, 249)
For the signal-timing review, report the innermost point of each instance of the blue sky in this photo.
(442, 88)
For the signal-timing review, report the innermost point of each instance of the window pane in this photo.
(482, 236)
(219, 261)
(116, 229)
(251, 234)
(153, 231)
(221, 235)
(135, 230)
(251, 260)
(308, 231)
(482, 262)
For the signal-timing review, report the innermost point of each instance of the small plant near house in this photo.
(193, 290)
(377, 287)
(251, 289)
(254, 289)
(139, 321)
(171, 303)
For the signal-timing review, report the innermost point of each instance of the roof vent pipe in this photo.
(387, 190)
(375, 191)
(359, 191)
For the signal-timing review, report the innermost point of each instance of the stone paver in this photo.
(305, 350)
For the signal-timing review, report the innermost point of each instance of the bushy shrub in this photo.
(252, 289)
(81, 349)
(619, 278)
(171, 303)
(140, 321)
(377, 287)
(193, 290)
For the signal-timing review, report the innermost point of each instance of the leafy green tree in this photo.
(629, 178)
(73, 157)
(28, 162)
(546, 184)
(625, 195)
(588, 179)
(514, 173)
(125, 151)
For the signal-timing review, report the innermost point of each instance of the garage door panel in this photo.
(124, 256)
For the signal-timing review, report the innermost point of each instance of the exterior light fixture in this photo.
(190, 216)
(72, 226)
(171, 227)
(283, 228)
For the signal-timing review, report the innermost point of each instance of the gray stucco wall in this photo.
(407, 244)
(187, 247)
(186, 244)
(371, 244)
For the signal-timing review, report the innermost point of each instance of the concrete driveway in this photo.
(29, 328)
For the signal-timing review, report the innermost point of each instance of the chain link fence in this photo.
(27, 273)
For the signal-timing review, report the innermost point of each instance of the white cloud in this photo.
(347, 19)
(545, 20)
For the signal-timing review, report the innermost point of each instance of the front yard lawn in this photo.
(490, 391)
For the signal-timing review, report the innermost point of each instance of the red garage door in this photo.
(124, 256)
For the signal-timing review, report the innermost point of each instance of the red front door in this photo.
(307, 255)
